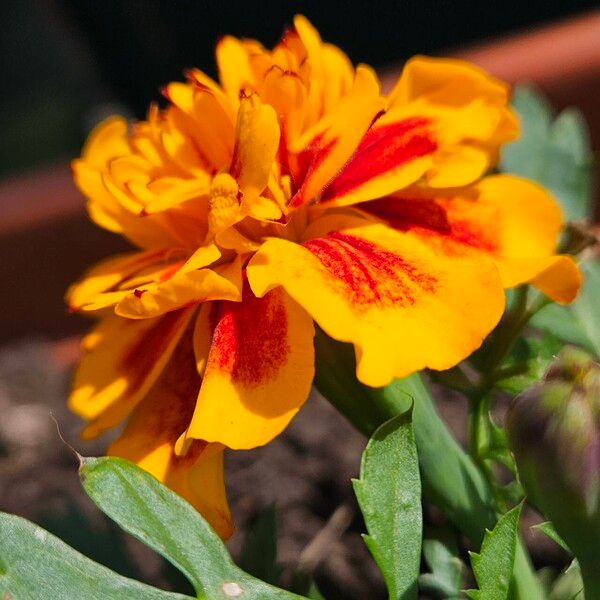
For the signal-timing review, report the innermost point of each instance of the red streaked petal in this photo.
(323, 150)
(385, 160)
(258, 372)
(403, 304)
(123, 360)
(513, 221)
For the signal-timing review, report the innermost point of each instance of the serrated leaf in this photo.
(259, 552)
(389, 495)
(556, 154)
(493, 566)
(440, 552)
(169, 525)
(548, 529)
(35, 565)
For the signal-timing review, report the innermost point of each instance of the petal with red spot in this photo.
(403, 304)
(123, 359)
(258, 372)
(514, 221)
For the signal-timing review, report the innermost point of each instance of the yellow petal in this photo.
(258, 372)
(446, 80)
(191, 284)
(514, 221)
(257, 140)
(404, 305)
(123, 360)
(235, 71)
(109, 273)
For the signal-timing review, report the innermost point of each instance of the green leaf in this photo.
(493, 566)
(548, 529)
(314, 593)
(556, 154)
(561, 322)
(35, 565)
(168, 524)
(569, 585)
(259, 553)
(530, 357)
(440, 552)
(389, 494)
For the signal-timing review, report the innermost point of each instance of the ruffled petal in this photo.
(123, 358)
(257, 373)
(192, 283)
(513, 221)
(108, 274)
(444, 122)
(403, 304)
(149, 437)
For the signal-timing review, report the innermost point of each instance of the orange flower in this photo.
(294, 191)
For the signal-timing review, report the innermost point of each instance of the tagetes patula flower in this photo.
(290, 192)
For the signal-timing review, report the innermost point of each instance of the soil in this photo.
(305, 473)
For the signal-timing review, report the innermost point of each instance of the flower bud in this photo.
(554, 432)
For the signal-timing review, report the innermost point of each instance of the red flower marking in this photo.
(428, 216)
(140, 358)
(250, 338)
(368, 273)
(382, 149)
(307, 163)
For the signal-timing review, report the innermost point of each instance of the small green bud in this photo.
(554, 433)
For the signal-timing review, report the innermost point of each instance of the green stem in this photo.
(590, 573)
(450, 478)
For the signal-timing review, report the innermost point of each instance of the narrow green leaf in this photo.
(548, 529)
(493, 566)
(556, 154)
(35, 565)
(389, 494)
(168, 524)
(440, 552)
(259, 553)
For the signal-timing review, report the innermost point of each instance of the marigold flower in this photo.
(292, 191)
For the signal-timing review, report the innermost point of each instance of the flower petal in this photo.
(123, 360)
(512, 220)
(403, 304)
(258, 372)
(109, 273)
(235, 71)
(257, 140)
(324, 149)
(149, 437)
(444, 121)
(192, 283)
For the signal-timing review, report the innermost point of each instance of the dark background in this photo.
(64, 64)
